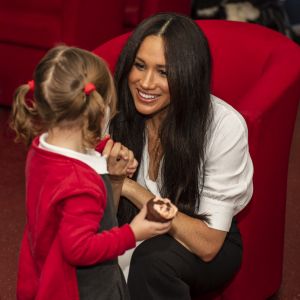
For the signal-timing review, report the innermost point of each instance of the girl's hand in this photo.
(120, 160)
(144, 229)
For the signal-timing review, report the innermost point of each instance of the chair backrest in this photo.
(42, 24)
(29, 28)
(257, 71)
(138, 10)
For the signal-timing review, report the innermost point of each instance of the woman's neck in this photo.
(155, 150)
(66, 138)
(153, 124)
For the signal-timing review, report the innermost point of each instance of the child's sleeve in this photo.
(78, 233)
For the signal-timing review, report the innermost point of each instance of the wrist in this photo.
(117, 179)
(127, 187)
(173, 229)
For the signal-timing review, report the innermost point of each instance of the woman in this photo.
(192, 148)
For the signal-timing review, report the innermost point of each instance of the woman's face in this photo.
(147, 79)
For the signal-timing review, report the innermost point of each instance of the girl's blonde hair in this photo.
(59, 97)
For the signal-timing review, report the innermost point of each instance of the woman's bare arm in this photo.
(192, 233)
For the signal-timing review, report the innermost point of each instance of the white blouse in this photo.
(229, 170)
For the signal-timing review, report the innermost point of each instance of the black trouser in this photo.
(162, 269)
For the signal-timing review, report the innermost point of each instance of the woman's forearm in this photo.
(192, 233)
(196, 236)
(116, 184)
(136, 193)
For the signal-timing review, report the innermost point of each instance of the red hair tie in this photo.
(31, 85)
(88, 88)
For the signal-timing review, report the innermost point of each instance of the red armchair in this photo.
(258, 72)
(29, 28)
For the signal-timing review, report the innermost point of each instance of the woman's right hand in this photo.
(144, 229)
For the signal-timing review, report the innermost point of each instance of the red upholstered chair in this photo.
(258, 72)
(29, 28)
(137, 10)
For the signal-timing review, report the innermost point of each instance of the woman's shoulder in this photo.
(226, 117)
(227, 126)
(223, 110)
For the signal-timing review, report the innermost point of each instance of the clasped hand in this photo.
(120, 160)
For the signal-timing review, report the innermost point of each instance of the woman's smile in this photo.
(147, 97)
(147, 79)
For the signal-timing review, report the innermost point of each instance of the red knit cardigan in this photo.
(65, 201)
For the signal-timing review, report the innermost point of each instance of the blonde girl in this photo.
(72, 240)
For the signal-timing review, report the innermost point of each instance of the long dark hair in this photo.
(184, 130)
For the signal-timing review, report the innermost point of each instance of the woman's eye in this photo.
(139, 65)
(163, 73)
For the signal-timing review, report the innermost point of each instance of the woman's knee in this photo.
(150, 249)
(150, 259)
(164, 257)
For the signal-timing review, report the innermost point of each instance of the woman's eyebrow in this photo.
(141, 60)
(138, 58)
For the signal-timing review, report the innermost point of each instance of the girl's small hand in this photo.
(120, 160)
(117, 158)
(116, 152)
(144, 229)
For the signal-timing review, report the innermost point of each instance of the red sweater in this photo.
(65, 201)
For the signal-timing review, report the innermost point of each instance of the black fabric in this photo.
(274, 16)
(104, 281)
(126, 211)
(162, 269)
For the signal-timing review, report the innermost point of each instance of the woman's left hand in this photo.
(132, 166)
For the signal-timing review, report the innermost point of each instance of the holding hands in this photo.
(121, 164)
(120, 160)
(144, 229)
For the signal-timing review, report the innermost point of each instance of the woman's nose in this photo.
(148, 80)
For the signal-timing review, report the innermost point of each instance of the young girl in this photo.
(71, 239)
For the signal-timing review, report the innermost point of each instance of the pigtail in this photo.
(94, 114)
(112, 97)
(23, 119)
(72, 89)
(100, 107)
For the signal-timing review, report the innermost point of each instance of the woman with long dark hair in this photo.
(192, 148)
